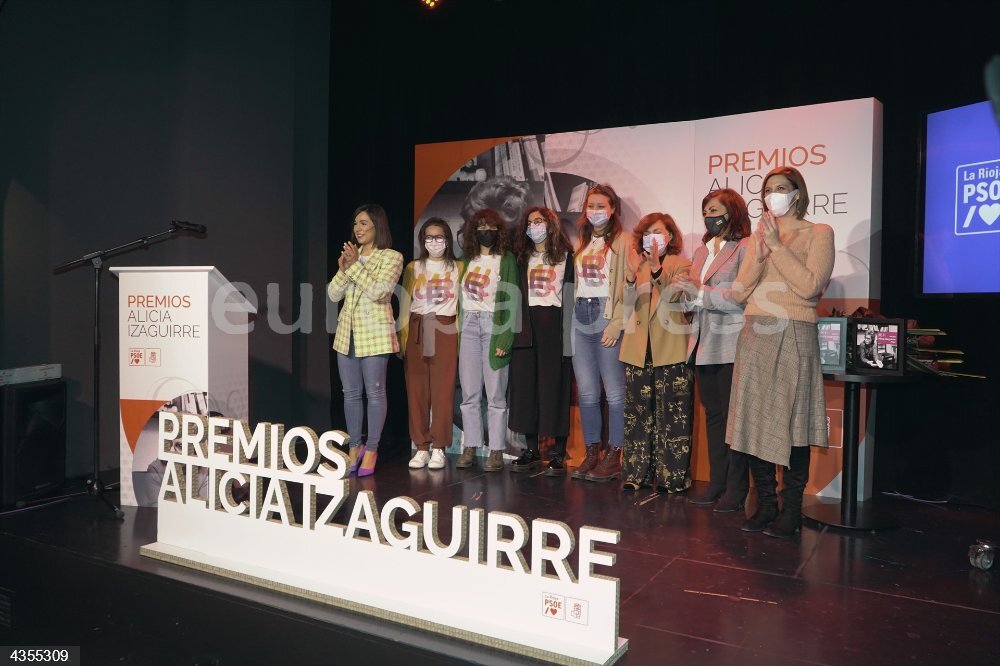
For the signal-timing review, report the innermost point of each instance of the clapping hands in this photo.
(766, 237)
(634, 260)
(654, 259)
(684, 283)
(348, 256)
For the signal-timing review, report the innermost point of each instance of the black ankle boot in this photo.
(767, 499)
(706, 497)
(786, 525)
(795, 477)
(729, 504)
(529, 461)
(761, 518)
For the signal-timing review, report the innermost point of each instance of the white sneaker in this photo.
(438, 459)
(419, 460)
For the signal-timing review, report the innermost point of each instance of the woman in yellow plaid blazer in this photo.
(366, 331)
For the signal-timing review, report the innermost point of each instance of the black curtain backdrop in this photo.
(402, 75)
(117, 116)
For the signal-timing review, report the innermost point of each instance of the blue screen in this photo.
(962, 204)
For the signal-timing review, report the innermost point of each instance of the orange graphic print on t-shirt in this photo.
(592, 269)
(435, 289)
(476, 284)
(542, 280)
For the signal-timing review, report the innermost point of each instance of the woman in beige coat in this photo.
(658, 381)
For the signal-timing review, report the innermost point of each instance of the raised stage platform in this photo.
(694, 588)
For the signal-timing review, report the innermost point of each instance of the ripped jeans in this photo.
(365, 374)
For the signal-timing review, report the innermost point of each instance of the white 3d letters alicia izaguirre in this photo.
(346, 549)
(268, 459)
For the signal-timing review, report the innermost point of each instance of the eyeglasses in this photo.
(435, 239)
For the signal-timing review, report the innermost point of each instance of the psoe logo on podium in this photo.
(136, 356)
(977, 198)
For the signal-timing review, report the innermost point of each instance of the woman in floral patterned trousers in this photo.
(658, 381)
(658, 426)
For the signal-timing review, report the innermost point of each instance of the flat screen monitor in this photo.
(961, 240)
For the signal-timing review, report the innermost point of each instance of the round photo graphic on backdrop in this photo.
(141, 425)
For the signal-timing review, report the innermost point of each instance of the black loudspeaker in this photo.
(33, 437)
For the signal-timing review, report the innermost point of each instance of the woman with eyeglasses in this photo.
(540, 367)
(777, 410)
(658, 381)
(597, 327)
(429, 342)
(366, 331)
(715, 327)
(487, 307)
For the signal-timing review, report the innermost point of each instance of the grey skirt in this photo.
(777, 400)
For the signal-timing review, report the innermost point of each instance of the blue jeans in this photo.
(475, 374)
(592, 365)
(368, 375)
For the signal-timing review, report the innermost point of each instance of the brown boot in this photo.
(589, 462)
(609, 468)
(468, 457)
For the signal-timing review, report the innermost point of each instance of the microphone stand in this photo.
(95, 487)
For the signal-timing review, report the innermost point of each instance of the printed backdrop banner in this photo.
(182, 333)
(669, 167)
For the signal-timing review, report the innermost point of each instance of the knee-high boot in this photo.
(795, 477)
(767, 499)
(737, 483)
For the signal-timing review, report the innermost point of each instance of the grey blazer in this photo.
(716, 324)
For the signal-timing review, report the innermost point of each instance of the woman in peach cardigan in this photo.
(777, 410)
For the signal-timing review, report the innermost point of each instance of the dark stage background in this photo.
(118, 116)
(478, 69)
(269, 120)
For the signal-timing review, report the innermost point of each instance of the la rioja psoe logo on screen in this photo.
(977, 198)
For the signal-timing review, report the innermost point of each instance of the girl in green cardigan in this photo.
(488, 301)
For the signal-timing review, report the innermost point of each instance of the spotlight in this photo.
(430, 4)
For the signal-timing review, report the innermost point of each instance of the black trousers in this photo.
(539, 385)
(715, 383)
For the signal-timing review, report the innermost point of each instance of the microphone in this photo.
(188, 226)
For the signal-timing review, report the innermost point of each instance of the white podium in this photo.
(182, 346)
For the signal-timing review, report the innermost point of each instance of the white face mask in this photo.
(598, 218)
(537, 232)
(661, 243)
(779, 202)
(435, 248)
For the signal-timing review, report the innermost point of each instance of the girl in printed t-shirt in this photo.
(487, 306)
(540, 366)
(597, 328)
(429, 342)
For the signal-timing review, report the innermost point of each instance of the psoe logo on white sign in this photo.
(977, 198)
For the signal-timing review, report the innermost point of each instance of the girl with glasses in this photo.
(429, 342)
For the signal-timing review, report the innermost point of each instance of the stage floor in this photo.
(694, 588)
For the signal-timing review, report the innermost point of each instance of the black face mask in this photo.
(716, 224)
(487, 237)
